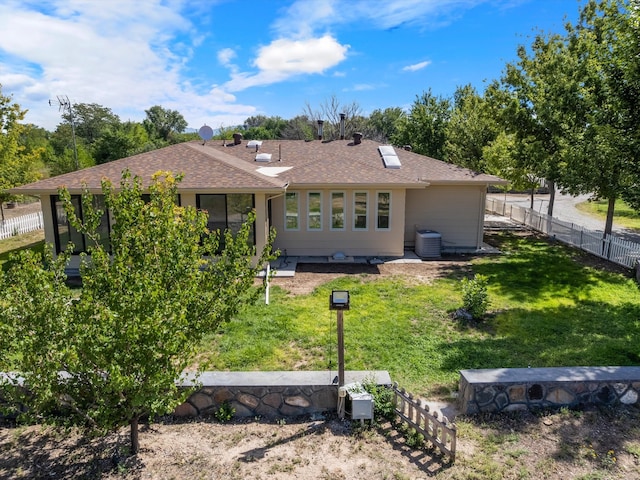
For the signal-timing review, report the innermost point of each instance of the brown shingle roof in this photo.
(215, 166)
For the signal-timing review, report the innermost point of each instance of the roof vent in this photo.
(320, 130)
(254, 143)
(263, 157)
(357, 138)
(237, 138)
(389, 156)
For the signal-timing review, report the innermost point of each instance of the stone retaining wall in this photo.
(270, 394)
(506, 389)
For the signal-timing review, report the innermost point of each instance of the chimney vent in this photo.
(408, 148)
(237, 138)
(320, 123)
(357, 138)
(342, 117)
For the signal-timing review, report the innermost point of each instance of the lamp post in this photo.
(339, 301)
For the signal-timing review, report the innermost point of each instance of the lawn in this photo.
(624, 215)
(548, 308)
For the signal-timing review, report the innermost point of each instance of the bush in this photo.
(474, 296)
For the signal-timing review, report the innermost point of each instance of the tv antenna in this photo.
(64, 105)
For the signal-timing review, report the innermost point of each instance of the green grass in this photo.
(33, 240)
(547, 309)
(624, 215)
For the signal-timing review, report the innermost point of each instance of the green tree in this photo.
(91, 120)
(122, 141)
(147, 300)
(18, 165)
(470, 129)
(605, 152)
(424, 127)
(163, 123)
(382, 125)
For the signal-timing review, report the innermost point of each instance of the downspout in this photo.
(268, 268)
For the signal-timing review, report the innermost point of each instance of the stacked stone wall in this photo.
(527, 389)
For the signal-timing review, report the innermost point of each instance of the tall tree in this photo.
(470, 129)
(539, 108)
(604, 159)
(163, 123)
(18, 165)
(91, 120)
(424, 127)
(330, 111)
(382, 125)
(148, 297)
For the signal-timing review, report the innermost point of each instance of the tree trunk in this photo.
(552, 196)
(533, 191)
(608, 226)
(135, 444)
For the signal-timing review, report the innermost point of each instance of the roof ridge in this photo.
(235, 163)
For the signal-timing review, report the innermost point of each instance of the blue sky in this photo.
(220, 61)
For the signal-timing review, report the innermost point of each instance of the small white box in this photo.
(361, 406)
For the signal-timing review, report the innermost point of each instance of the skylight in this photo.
(389, 156)
(254, 143)
(263, 157)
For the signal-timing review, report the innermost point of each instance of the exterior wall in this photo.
(326, 242)
(456, 212)
(186, 199)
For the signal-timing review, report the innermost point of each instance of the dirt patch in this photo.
(600, 443)
(311, 275)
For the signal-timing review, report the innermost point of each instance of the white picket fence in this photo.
(610, 247)
(19, 225)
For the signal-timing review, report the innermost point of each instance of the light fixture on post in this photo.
(339, 301)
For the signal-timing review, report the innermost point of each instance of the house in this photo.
(353, 197)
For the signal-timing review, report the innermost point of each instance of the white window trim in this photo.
(344, 211)
(353, 223)
(390, 210)
(309, 229)
(297, 194)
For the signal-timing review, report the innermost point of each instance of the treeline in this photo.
(566, 112)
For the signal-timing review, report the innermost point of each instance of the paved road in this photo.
(564, 208)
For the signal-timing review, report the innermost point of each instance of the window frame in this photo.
(225, 196)
(314, 214)
(378, 227)
(80, 246)
(295, 214)
(344, 211)
(357, 215)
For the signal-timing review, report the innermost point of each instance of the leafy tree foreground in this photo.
(148, 297)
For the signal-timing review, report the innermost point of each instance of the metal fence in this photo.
(19, 225)
(610, 247)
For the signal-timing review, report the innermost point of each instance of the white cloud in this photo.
(416, 66)
(304, 17)
(122, 54)
(225, 56)
(285, 58)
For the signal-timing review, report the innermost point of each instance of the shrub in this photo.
(225, 413)
(474, 295)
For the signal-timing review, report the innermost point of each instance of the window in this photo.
(314, 210)
(65, 233)
(383, 211)
(227, 212)
(360, 210)
(337, 210)
(292, 205)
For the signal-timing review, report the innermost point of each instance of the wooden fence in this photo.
(610, 247)
(19, 225)
(435, 427)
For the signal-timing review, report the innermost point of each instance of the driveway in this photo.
(564, 208)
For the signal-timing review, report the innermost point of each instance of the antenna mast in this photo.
(64, 105)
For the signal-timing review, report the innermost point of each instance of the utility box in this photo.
(428, 244)
(361, 402)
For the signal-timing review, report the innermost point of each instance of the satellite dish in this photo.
(205, 132)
